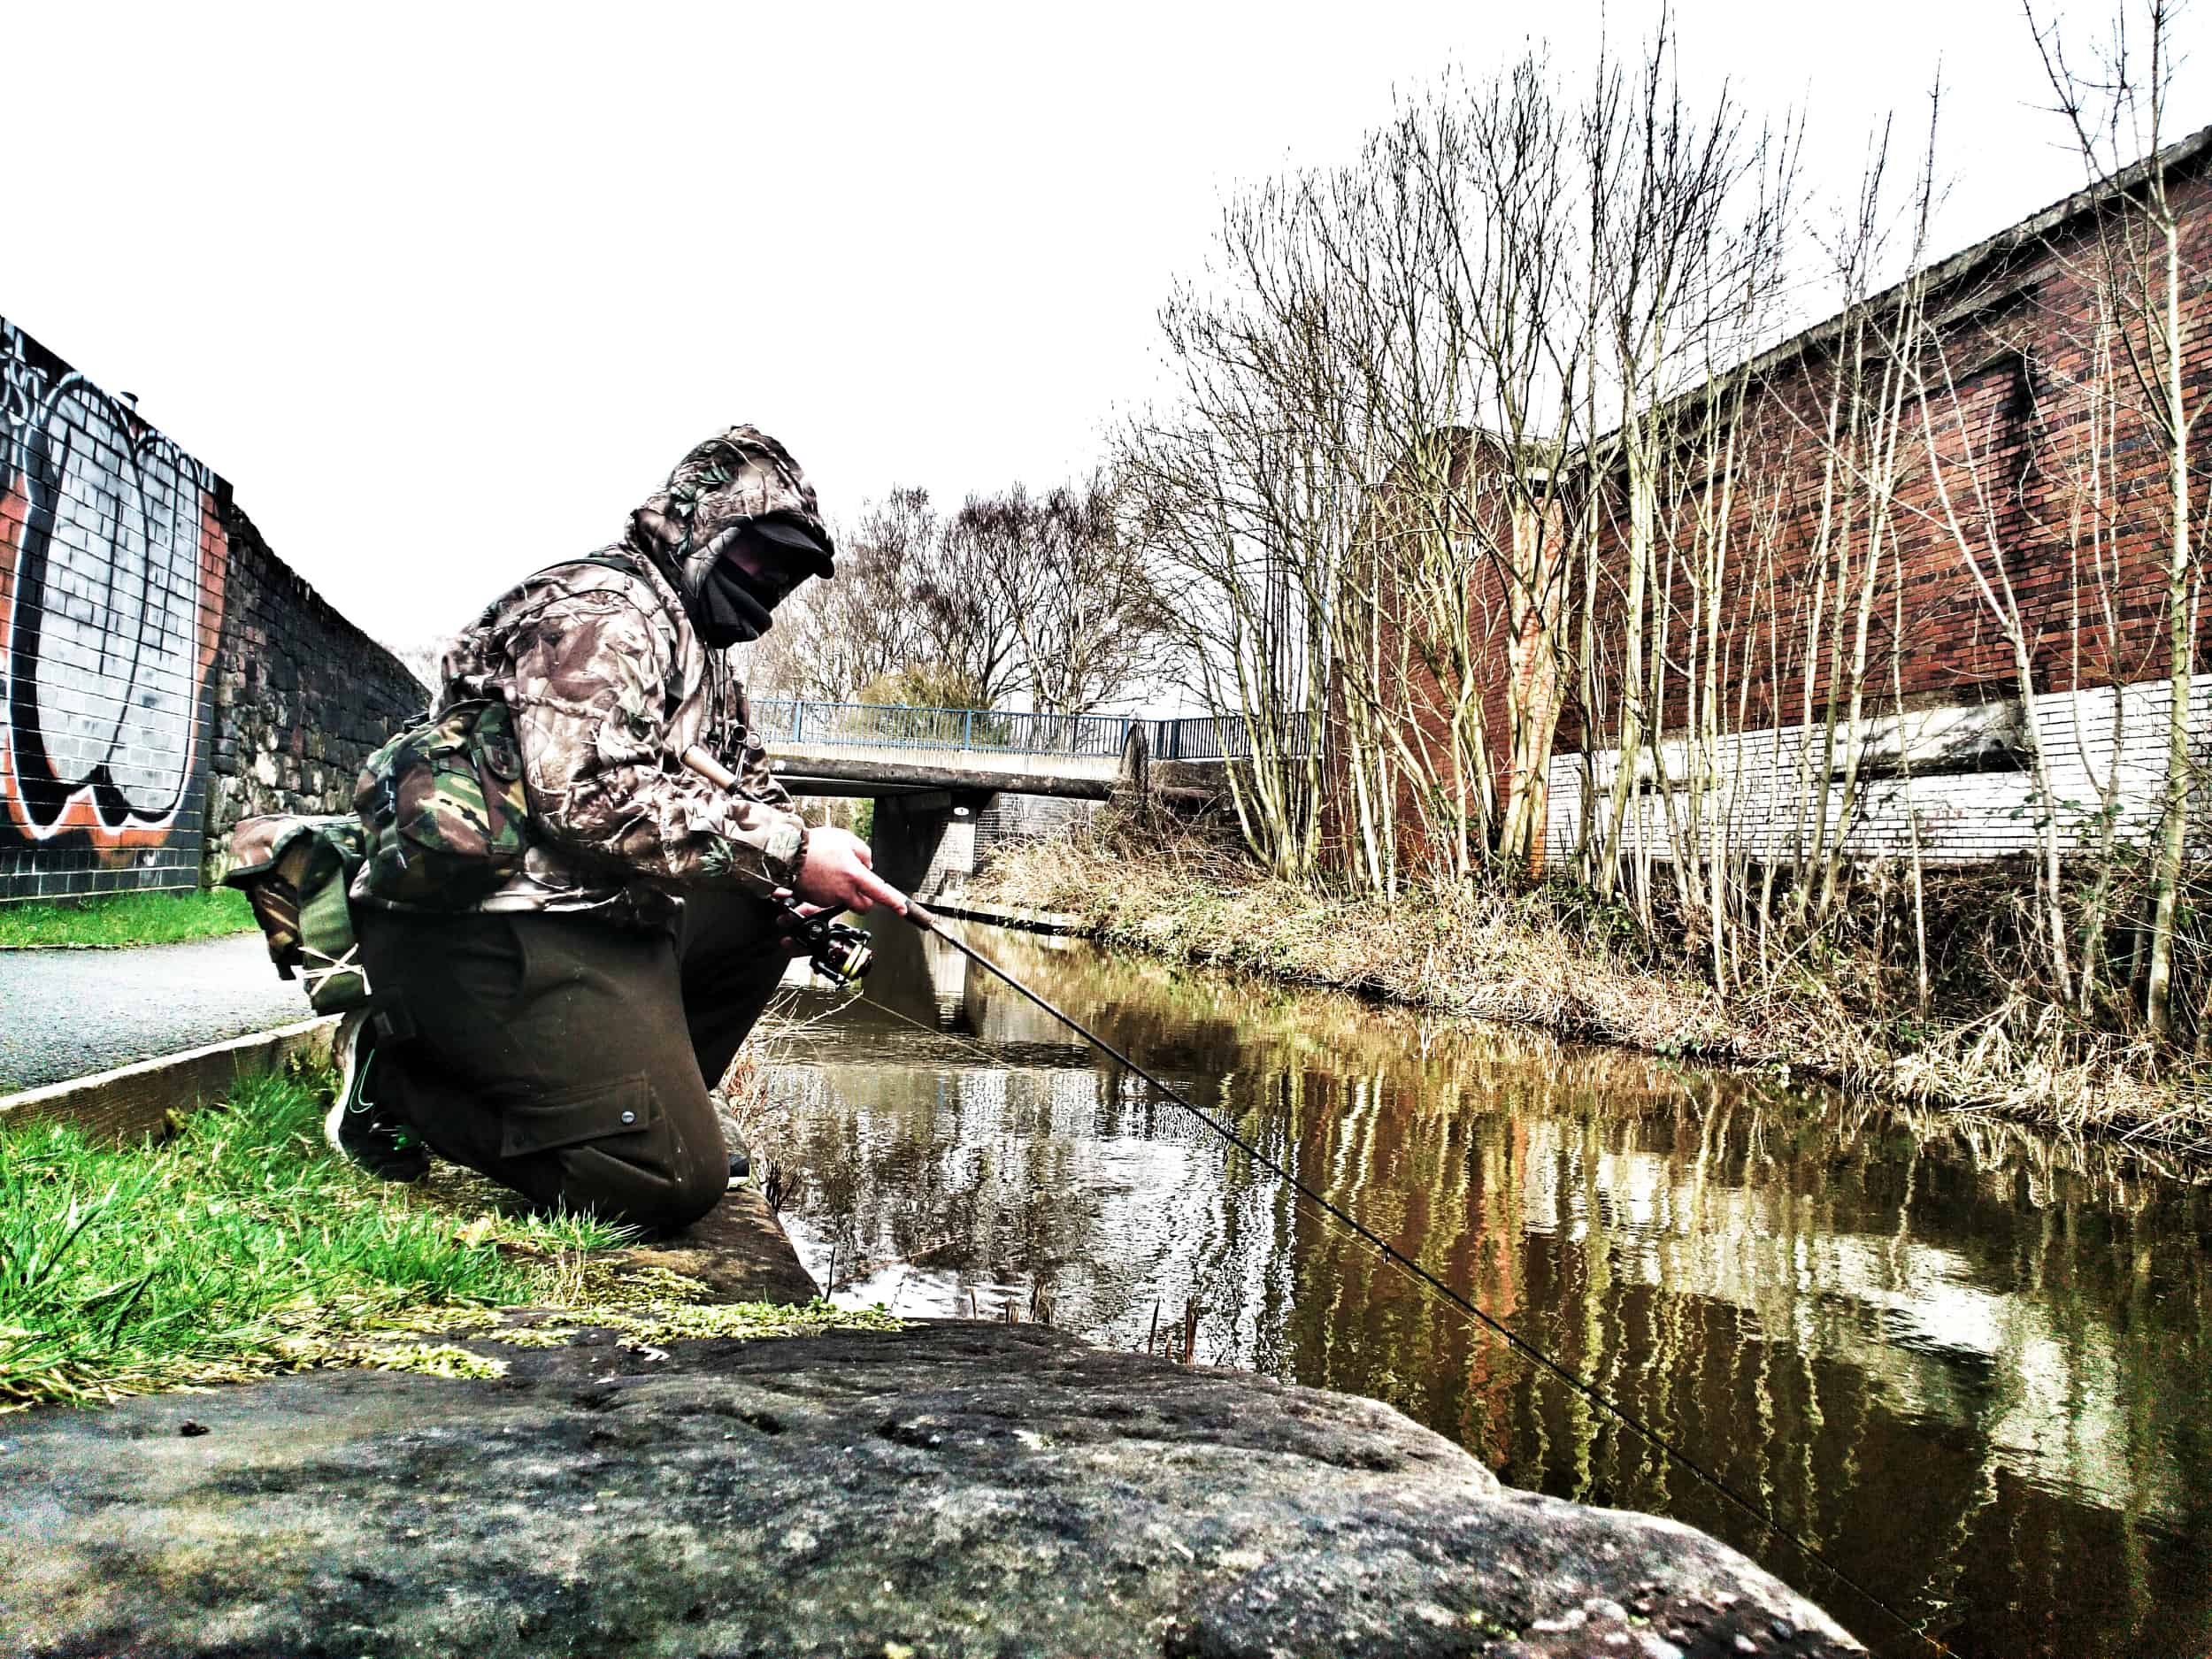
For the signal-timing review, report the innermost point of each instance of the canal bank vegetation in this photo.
(1844, 1005)
(1604, 663)
(241, 1245)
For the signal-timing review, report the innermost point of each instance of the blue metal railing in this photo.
(1094, 736)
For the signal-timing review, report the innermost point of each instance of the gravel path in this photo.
(64, 1013)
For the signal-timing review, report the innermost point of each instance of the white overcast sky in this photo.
(443, 290)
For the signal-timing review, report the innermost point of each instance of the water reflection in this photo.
(1968, 1361)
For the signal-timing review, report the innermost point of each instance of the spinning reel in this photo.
(841, 953)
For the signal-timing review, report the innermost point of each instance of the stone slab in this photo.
(132, 1101)
(739, 1250)
(953, 1489)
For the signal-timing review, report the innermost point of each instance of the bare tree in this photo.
(423, 659)
(1085, 621)
(1417, 393)
(2115, 109)
(971, 636)
(1012, 597)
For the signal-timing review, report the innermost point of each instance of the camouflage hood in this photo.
(742, 478)
(610, 676)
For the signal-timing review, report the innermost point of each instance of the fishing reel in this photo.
(841, 953)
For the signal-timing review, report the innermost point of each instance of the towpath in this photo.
(66, 1013)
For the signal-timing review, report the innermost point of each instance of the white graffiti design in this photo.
(103, 647)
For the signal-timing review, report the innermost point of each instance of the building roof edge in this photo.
(1954, 269)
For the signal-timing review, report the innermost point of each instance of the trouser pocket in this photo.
(605, 1111)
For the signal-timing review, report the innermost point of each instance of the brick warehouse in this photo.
(162, 672)
(2055, 486)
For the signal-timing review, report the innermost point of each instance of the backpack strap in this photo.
(611, 561)
(330, 962)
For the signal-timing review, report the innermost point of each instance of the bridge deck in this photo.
(868, 769)
(869, 749)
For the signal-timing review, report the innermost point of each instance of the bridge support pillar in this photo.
(924, 844)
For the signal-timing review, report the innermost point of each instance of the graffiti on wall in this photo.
(111, 595)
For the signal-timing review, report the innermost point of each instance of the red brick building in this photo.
(1876, 510)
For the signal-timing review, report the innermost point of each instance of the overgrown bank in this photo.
(1550, 957)
(242, 1246)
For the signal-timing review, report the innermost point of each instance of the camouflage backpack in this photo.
(294, 873)
(444, 811)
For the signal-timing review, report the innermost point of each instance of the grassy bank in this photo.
(125, 918)
(241, 1246)
(1549, 957)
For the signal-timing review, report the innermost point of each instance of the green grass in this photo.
(127, 918)
(241, 1246)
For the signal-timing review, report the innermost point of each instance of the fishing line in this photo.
(1421, 1275)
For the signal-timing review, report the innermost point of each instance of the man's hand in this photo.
(836, 873)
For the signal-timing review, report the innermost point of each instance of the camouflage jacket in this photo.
(609, 683)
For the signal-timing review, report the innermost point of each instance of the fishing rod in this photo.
(930, 923)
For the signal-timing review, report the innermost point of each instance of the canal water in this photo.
(1970, 1363)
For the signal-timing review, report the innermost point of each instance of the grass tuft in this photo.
(125, 918)
(745, 1321)
(243, 1246)
(428, 1359)
(239, 1246)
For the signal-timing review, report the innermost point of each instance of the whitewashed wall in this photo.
(2100, 746)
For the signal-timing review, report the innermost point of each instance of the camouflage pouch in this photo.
(444, 811)
(295, 872)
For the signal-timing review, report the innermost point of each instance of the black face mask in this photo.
(734, 607)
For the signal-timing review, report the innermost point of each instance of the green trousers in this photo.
(568, 1059)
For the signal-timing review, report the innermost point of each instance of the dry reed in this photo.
(1542, 957)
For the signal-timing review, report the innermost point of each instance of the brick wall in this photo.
(2048, 479)
(160, 670)
(302, 696)
(2012, 423)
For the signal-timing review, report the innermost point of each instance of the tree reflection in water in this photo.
(1970, 1362)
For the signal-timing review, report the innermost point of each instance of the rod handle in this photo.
(712, 769)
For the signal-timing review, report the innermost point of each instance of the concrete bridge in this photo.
(934, 773)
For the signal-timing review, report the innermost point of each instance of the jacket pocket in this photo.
(624, 1107)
